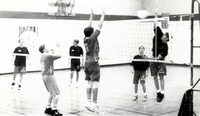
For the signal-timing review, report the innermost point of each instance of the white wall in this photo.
(119, 40)
(119, 32)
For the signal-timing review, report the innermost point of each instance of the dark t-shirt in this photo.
(75, 51)
(20, 60)
(158, 46)
(140, 65)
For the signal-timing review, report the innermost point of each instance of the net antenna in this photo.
(155, 25)
(64, 8)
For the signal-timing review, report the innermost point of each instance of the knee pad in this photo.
(89, 84)
(95, 84)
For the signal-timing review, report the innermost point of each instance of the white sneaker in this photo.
(95, 108)
(12, 85)
(145, 98)
(70, 83)
(88, 106)
(92, 107)
(19, 87)
(135, 98)
(77, 85)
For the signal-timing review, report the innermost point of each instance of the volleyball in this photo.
(142, 14)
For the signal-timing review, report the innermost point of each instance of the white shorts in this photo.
(51, 85)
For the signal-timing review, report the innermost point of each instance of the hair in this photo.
(76, 41)
(141, 47)
(41, 48)
(88, 31)
(167, 35)
(19, 40)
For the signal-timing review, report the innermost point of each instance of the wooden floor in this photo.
(115, 94)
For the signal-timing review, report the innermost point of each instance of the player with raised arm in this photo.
(160, 51)
(92, 68)
(47, 69)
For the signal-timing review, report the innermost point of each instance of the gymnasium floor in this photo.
(115, 94)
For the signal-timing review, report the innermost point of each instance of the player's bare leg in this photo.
(89, 95)
(136, 92)
(95, 96)
(162, 85)
(20, 81)
(71, 78)
(77, 78)
(14, 78)
(144, 90)
(156, 82)
(54, 107)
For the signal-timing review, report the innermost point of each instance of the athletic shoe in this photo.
(88, 106)
(12, 85)
(158, 97)
(55, 113)
(161, 97)
(48, 111)
(77, 85)
(145, 98)
(70, 83)
(135, 98)
(19, 87)
(95, 108)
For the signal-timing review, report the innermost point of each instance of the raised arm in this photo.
(58, 53)
(101, 20)
(91, 18)
(154, 25)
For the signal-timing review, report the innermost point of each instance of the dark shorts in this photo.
(137, 76)
(20, 69)
(92, 71)
(158, 69)
(75, 65)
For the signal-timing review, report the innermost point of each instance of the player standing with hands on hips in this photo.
(92, 68)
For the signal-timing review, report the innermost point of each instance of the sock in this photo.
(158, 91)
(54, 108)
(145, 94)
(162, 92)
(136, 94)
(89, 100)
(48, 106)
(95, 102)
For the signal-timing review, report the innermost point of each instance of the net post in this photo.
(191, 56)
(191, 44)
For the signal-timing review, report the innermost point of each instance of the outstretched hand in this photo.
(92, 11)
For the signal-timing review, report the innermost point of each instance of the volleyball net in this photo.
(128, 37)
